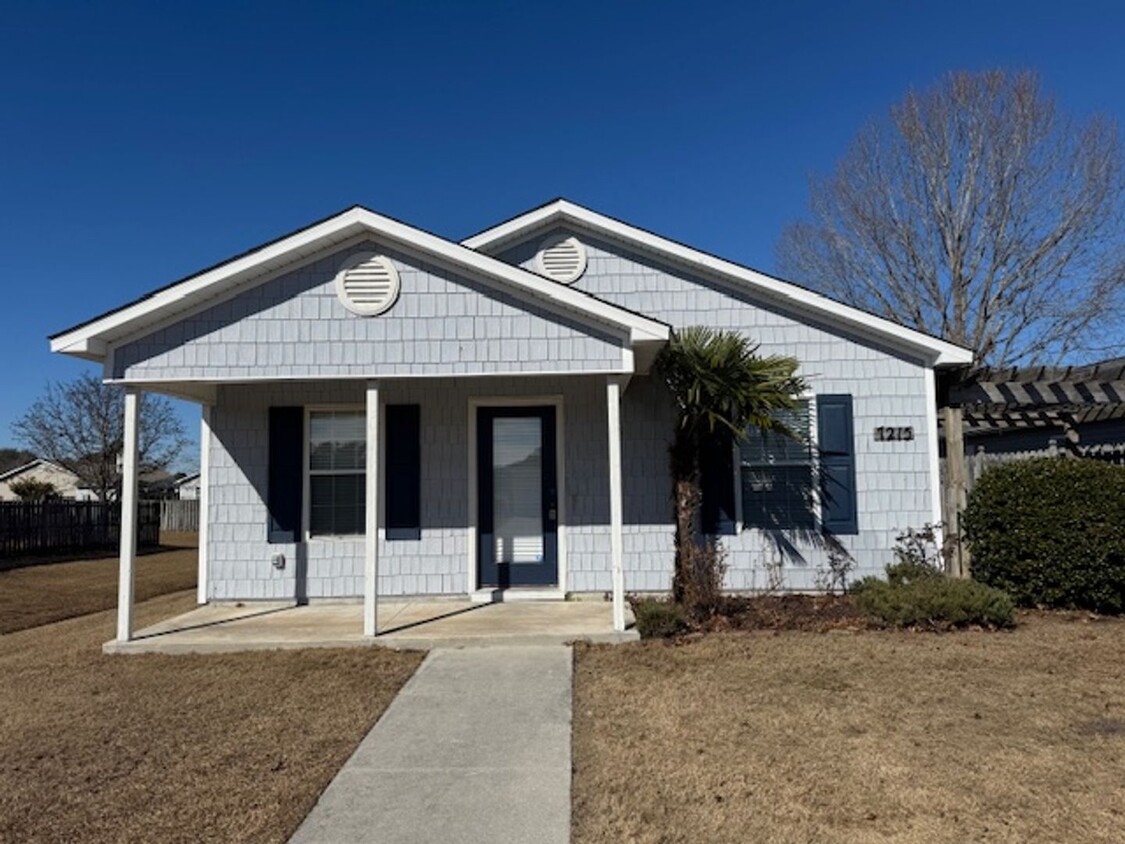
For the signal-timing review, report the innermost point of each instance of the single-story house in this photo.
(187, 487)
(388, 412)
(66, 483)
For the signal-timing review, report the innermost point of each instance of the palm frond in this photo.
(718, 380)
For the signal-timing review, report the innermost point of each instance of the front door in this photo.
(517, 497)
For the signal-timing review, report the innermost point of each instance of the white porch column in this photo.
(204, 498)
(128, 517)
(371, 555)
(613, 389)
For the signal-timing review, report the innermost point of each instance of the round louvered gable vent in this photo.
(562, 259)
(367, 284)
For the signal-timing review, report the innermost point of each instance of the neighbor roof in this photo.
(38, 461)
(791, 296)
(91, 339)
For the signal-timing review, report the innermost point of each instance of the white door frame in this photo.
(555, 401)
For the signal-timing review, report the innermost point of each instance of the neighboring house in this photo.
(521, 440)
(157, 484)
(187, 487)
(65, 482)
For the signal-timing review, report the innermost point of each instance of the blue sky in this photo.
(139, 143)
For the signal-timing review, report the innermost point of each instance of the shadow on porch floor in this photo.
(403, 624)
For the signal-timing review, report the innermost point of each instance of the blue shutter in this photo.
(286, 476)
(835, 434)
(717, 469)
(403, 456)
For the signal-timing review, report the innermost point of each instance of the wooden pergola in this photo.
(1018, 398)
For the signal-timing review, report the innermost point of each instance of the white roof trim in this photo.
(38, 461)
(90, 340)
(939, 352)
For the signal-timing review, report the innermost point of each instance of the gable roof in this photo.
(91, 339)
(791, 296)
(38, 461)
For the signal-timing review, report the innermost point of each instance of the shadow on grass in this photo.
(172, 542)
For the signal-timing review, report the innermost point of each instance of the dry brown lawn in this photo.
(51, 591)
(231, 748)
(855, 737)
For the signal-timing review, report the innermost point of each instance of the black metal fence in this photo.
(49, 527)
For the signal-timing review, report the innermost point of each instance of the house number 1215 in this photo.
(886, 434)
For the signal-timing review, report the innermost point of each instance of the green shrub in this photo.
(1051, 532)
(910, 571)
(659, 619)
(33, 489)
(925, 598)
(917, 557)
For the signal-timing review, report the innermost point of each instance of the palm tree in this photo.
(718, 383)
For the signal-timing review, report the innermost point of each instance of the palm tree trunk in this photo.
(688, 496)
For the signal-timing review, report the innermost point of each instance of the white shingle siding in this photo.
(294, 326)
(436, 563)
(893, 479)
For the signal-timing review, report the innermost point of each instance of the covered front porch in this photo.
(408, 576)
(388, 414)
(406, 625)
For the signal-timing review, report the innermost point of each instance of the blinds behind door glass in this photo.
(517, 496)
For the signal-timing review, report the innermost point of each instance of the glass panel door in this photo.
(517, 489)
(517, 497)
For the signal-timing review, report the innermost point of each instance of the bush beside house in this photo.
(1051, 533)
(918, 595)
(659, 619)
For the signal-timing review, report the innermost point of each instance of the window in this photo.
(778, 475)
(337, 473)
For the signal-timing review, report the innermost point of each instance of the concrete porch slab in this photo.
(408, 625)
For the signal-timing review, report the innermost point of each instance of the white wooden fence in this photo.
(179, 515)
(978, 461)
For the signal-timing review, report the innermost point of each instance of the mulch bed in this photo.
(814, 613)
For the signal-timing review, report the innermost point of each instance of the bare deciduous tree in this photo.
(980, 213)
(10, 458)
(81, 425)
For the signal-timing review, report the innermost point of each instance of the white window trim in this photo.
(739, 520)
(306, 474)
(555, 401)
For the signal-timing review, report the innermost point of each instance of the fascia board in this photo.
(937, 352)
(90, 340)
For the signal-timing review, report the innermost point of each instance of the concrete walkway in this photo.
(475, 748)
